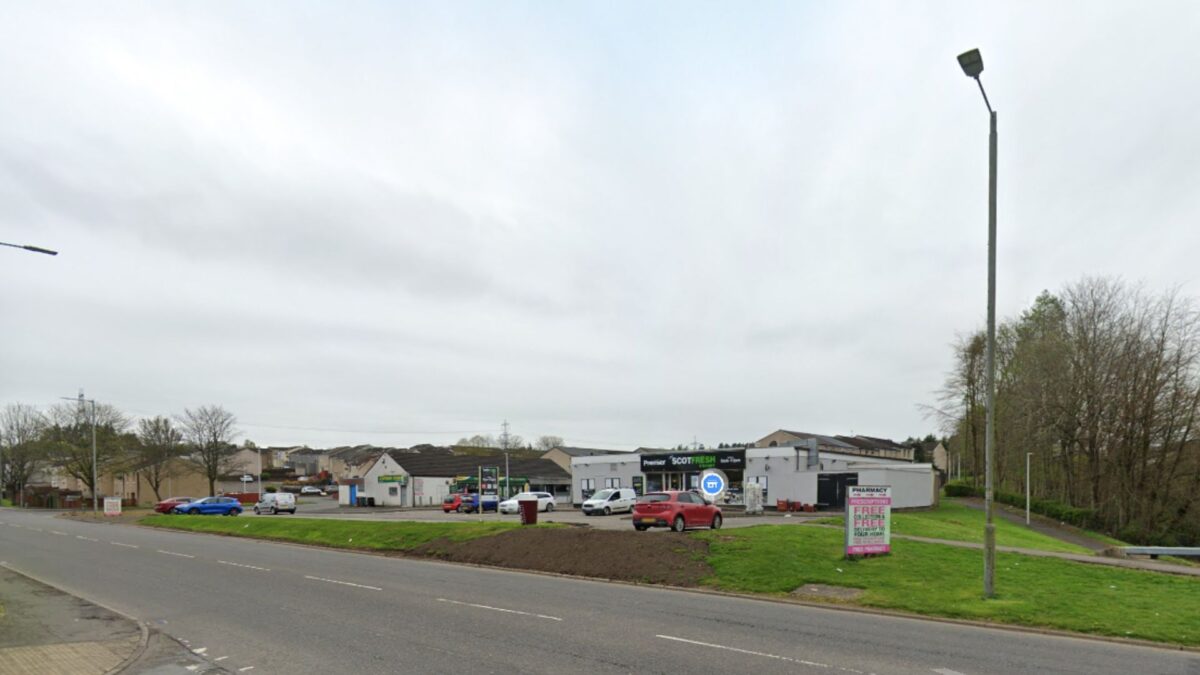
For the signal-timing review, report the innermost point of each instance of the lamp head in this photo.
(971, 62)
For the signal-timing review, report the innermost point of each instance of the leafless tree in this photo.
(68, 440)
(546, 443)
(159, 447)
(209, 432)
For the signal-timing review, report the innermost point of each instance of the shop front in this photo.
(681, 470)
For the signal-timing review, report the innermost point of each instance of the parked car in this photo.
(274, 502)
(471, 503)
(610, 500)
(455, 502)
(225, 506)
(168, 505)
(545, 502)
(676, 510)
(311, 490)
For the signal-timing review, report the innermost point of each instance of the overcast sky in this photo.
(621, 223)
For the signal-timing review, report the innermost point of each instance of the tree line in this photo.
(61, 439)
(1101, 383)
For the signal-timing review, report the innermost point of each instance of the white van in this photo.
(274, 502)
(610, 500)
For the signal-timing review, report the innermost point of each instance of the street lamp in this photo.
(972, 66)
(27, 247)
(95, 482)
(1028, 456)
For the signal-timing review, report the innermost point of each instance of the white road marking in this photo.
(181, 555)
(193, 667)
(35, 529)
(220, 658)
(57, 532)
(344, 583)
(500, 609)
(946, 671)
(200, 650)
(242, 670)
(80, 536)
(252, 567)
(747, 651)
(13, 525)
(117, 543)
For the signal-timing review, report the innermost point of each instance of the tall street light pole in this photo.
(1028, 456)
(95, 482)
(27, 247)
(972, 65)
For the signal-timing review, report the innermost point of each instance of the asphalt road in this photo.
(271, 608)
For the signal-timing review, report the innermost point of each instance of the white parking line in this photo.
(747, 651)
(252, 567)
(501, 609)
(343, 583)
(181, 555)
(117, 543)
(80, 536)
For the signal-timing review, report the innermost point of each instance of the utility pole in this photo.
(95, 480)
(1028, 455)
(504, 446)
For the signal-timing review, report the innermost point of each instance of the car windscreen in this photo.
(448, 500)
(603, 494)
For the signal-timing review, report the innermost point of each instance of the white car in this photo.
(610, 500)
(274, 502)
(545, 502)
(311, 490)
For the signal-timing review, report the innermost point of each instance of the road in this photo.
(260, 607)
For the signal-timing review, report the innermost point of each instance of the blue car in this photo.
(470, 504)
(226, 506)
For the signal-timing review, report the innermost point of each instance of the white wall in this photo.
(428, 491)
(373, 488)
(911, 487)
(600, 467)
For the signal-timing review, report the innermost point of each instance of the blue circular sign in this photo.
(712, 484)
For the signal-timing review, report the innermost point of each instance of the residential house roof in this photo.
(450, 465)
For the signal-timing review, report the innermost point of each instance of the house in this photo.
(562, 456)
(424, 478)
(866, 446)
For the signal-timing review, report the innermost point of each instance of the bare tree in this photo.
(546, 443)
(209, 433)
(160, 444)
(21, 452)
(68, 440)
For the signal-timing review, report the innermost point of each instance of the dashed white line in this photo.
(200, 650)
(220, 658)
(745, 651)
(181, 555)
(500, 609)
(117, 543)
(242, 670)
(946, 671)
(13, 525)
(343, 583)
(252, 567)
(57, 532)
(35, 529)
(193, 667)
(80, 536)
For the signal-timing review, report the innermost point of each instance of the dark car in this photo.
(168, 505)
(470, 503)
(225, 506)
(676, 510)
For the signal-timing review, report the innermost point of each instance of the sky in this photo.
(625, 224)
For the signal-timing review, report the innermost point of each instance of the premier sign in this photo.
(694, 461)
(868, 519)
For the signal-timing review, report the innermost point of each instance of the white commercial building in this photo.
(797, 474)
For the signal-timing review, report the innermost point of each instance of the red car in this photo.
(456, 503)
(168, 505)
(676, 510)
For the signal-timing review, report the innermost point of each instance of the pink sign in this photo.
(868, 519)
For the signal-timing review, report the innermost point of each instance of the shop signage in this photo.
(695, 461)
(394, 478)
(868, 519)
(112, 506)
(489, 480)
(713, 483)
(639, 485)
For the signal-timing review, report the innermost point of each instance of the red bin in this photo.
(529, 511)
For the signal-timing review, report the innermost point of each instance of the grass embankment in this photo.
(946, 581)
(369, 535)
(954, 522)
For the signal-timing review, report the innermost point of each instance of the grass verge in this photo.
(954, 522)
(351, 534)
(946, 581)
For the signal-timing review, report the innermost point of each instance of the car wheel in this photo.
(678, 524)
(194, 512)
(607, 511)
(293, 512)
(274, 510)
(458, 509)
(235, 512)
(640, 528)
(256, 512)
(549, 508)
(716, 523)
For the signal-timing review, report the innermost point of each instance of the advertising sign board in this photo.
(489, 481)
(639, 485)
(695, 461)
(394, 478)
(112, 506)
(868, 519)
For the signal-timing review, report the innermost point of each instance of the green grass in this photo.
(954, 522)
(946, 581)
(6, 502)
(355, 534)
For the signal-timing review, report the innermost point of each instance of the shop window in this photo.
(587, 486)
(612, 482)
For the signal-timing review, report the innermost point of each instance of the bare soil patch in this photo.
(126, 517)
(827, 593)
(673, 559)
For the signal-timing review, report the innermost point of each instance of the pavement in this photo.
(44, 631)
(263, 607)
